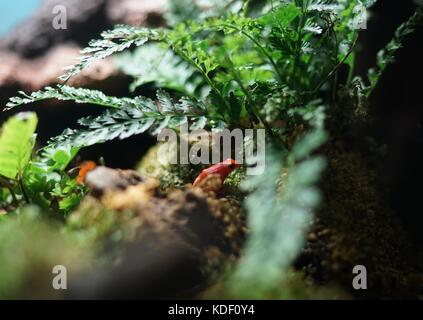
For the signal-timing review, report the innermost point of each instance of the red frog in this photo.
(223, 169)
(84, 168)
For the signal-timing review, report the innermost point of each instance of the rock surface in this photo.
(179, 234)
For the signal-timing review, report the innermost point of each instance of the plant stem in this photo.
(238, 80)
(203, 74)
(254, 109)
(333, 71)
(336, 78)
(298, 44)
(259, 46)
(4, 182)
(246, 7)
(22, 187)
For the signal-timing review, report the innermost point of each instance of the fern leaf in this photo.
(281, 16)
(280, 211)
(386, 56)
(66, 93)
(16, 143)
(134, 118)
(165, 101)
(127, 116)
(153, 63)
(120, 38)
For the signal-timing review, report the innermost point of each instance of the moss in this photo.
(233, 181)
(295, 286)
(355, 226)
(95, 224)
(169, 175)
(30, 246)
(176, 175)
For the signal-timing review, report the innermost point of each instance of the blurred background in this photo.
(14, 13)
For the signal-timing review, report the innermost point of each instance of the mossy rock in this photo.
(178, 175)
(169, 175)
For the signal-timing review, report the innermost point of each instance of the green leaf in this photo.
(66, 93)
(153, 63)
(58, 158)
(119, 39)
(281, 16)
(279, 213)
(16, 142)
(137, 116)
(165, 101)
(308, 144)
(386, 56)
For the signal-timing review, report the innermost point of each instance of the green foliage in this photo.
(280, 210)
(52, 189)
(133, 117)
(66, 93)
(278, 224)
(42, 183)
(16, 142)
(386, 56)
(245, 69)
(113, 41)
(234, 63)
(156, 64)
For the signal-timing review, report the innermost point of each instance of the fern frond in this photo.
(66, 93)
(141, 115)
(324, 6)
(280, 212)
(120, 38)
(16, 143)
(153, 63)
(386, 56)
